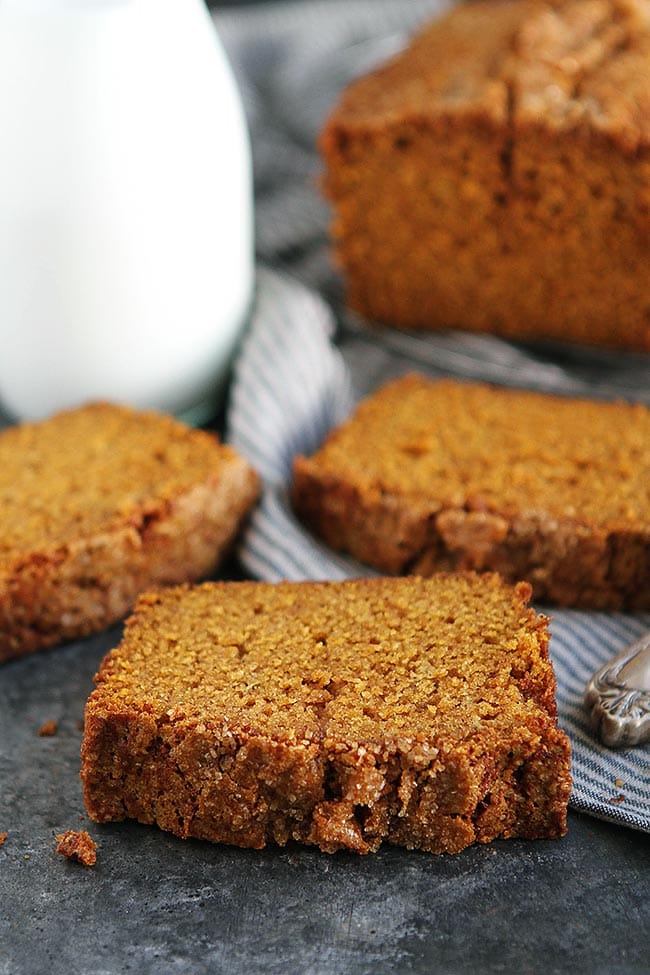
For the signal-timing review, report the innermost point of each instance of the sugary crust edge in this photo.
(568, 563)
(197, 780)
(69, 592)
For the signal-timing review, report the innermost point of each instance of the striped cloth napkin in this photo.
(305, 360)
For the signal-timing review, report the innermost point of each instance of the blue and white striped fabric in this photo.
(609, 783)
(305, 361)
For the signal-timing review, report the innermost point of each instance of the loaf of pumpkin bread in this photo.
(99, 503)
(429, 475)
(416, 711)
(495, 176)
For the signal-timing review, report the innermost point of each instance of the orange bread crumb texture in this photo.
(78, 846)
(418, 711)
(429, 475)
(98, 504)
(87, 471)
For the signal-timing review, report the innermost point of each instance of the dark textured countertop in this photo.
(154, 903)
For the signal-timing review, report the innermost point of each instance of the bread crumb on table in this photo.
(77, 845)
(48, 730)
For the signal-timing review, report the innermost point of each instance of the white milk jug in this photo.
(125, 205)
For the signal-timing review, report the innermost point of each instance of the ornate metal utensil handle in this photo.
(618, 697)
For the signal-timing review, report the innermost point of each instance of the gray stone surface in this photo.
(154, 903)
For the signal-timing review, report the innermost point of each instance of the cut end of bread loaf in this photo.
(495, 176)
(419, 712)
(101, 502)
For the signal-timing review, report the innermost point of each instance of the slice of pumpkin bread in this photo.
(436, 475)
(416, 711)
(99, 503)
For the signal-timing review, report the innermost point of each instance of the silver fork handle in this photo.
(617, 697)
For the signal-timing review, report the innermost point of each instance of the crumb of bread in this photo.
(48, 729)
(3, 838)
(77, 845)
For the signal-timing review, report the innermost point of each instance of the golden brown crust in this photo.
(99, 503)
(445, 475)
(496, 175)
(416, 711)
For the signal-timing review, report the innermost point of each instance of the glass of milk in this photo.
(126, 263)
